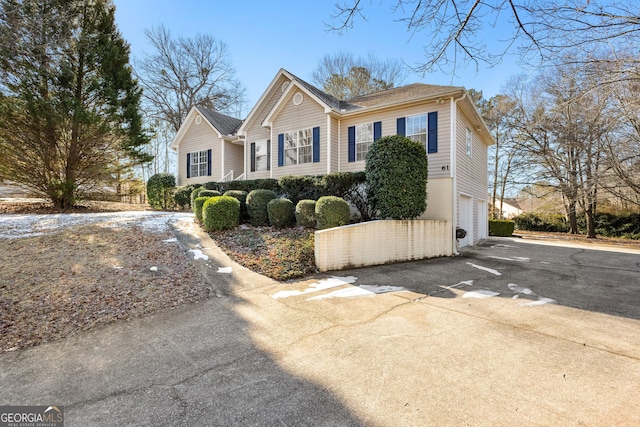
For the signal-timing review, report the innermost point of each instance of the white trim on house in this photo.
(328, 144)
(280, 104)
(265, 94)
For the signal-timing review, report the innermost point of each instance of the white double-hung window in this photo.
(199, 163)
(364, 138)
(298, 147)
(417, 128)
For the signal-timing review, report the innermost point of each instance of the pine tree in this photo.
(69, 106)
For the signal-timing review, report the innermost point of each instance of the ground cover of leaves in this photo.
(58, 285)
(281, 254)
(42, 206)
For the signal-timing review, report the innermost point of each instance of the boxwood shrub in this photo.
(209, 193)
(194, 194)
(331, 211)
(242, 198)
(502, 228)
(220, 213)
(281, 213)
(198, 203)
(257, 201)
(306, 213)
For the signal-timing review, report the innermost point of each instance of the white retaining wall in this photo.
(381, 242)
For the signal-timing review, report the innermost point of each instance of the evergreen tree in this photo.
(69, 106)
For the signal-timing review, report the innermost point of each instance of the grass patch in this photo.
(281, 254)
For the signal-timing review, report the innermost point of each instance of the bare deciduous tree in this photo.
(183, 72)
(497, 112)
(562, 125)
(453, 29)
(345, 76)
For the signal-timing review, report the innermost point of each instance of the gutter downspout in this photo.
(454, 184)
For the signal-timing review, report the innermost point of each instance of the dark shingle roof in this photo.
(412, 92)
(226, 125)
(330, 100)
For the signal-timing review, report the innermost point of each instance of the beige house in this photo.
(296, 129)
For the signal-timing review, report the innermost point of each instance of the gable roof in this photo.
(220, 123)
(225, 125)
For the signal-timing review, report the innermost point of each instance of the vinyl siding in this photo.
(335, 153)
(438, 199)
(197, 138)
(292, 117)
(472, 177)
(437, 161)
(233, 159)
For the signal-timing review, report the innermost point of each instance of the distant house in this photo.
(296, 129)
(508, 208)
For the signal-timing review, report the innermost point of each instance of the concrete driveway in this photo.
(509, 333)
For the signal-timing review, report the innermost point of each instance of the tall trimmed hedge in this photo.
(281, 213)
(257, 201)
(500, 227)
(160, 188)
(299, 187)
(396, 172)
(331, 211)
(221, 213)
(248, 185)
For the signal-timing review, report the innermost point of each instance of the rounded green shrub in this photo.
(396, 172)
(209, 193)
(198, 203)
(501, 228)
(242, 198)
(306, 213)
(331, 211)
(221, 213)
(257, 201)
(281, 213)
(160, 188)
(194, 194)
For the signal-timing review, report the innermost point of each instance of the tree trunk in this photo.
(573, 217)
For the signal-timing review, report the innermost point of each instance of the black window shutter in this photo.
(432, 136)
(281, 149)
(401, 126)
(209, 162)
(188, 165)
(253, 157)
(316, 144)
(268, 154)
(351, 140)
(377, 130)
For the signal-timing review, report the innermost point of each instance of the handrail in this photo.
(228, 177)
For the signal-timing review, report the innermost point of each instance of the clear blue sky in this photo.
(264, 36)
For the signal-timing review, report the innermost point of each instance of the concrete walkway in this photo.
(270, 353)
